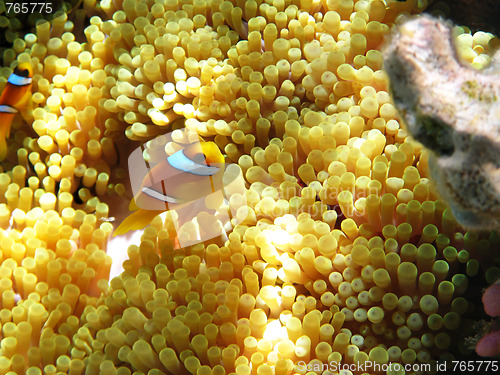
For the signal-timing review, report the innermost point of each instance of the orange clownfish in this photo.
(185, 176)
(14, 97)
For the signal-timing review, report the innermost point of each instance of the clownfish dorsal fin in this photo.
(212, 153)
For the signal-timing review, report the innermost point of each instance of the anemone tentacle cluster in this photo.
(342, 250)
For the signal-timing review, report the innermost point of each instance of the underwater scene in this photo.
(261, 187)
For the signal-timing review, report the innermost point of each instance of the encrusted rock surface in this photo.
(454, 110)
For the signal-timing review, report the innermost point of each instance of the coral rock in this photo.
(491, 300)
(489, 345)
(454, 110)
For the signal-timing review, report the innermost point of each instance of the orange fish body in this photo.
(13, 99)
(187, 175)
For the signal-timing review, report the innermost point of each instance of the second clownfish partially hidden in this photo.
(185, 176)
(13, 99)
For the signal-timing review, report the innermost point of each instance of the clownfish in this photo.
(13, 99)
(185, 176)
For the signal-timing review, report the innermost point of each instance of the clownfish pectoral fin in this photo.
(23, 102)
(3, 148)
(137, 220)
(5, 122)
(132, 205)
(7, 114)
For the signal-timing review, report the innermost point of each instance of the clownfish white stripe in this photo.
(4, 108)
(161, 197)
(179, 161)
(18, 80)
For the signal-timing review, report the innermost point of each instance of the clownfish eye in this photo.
(203, 154)
(191, 162)
(195, 153)
(22, 72)
(198, 158)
